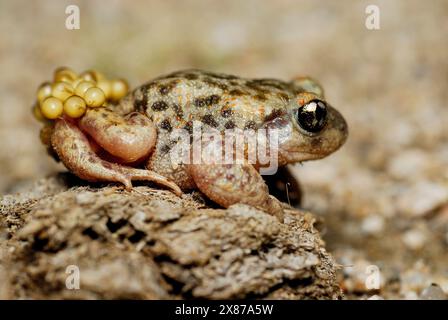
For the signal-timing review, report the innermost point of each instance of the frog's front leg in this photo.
(78, 153)
(227, 184)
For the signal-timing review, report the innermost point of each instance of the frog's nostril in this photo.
(343, 126)
(337, 120)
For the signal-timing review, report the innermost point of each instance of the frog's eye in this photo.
(311, 116)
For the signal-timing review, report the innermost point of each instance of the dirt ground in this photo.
(383, 196)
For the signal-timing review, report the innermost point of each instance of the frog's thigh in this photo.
(76, 152)
(130, 138)
(227, 184)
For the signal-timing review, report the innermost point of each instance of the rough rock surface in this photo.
(150, 244)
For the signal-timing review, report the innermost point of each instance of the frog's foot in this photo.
(227, 184)
(307, 84)
(128, 138)
(78, 155)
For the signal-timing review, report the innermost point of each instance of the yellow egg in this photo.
(64, 74)
(75, 107)
(119, 89)
(106, 86)
(83, 86)
(87, 76)
(44, 91)
(37, 113)
(51, 108)
(62, 90)
(76, 82)
(92, 75)
(94, 97)
(97, 75)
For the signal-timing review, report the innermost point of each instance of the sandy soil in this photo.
(384, 195)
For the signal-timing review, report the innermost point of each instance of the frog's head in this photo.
(309, 129)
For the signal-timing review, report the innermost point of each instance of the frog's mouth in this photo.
(314, 150)
(299, 156)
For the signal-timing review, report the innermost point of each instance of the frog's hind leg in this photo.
(78, 155)
(129, 137)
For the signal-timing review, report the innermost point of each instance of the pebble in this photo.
(433, 292)
(408, 164)
(421, 198)
(360, 276)
(410, 295)
(414, 239)
(372, 224)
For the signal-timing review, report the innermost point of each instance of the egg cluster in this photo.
(71, 94)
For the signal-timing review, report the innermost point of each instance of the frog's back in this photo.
(218, 100)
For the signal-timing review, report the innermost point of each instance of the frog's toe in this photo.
(148, 175)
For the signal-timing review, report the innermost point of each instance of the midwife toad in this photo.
(114, 142)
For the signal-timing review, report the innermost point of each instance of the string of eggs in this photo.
(71, 94)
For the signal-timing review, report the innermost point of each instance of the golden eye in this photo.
(311, 117)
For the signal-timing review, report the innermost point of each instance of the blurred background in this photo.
(383, 196)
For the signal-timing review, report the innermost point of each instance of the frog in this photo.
(132, 139)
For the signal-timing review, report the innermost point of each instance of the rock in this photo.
(410, 295)
(4, 283)
(415, 279)
(422, 197)
(85, 198)
(408, 164)
(372, 225)
(150, 244)
(433, 292)
(359, 276)
(414, 239)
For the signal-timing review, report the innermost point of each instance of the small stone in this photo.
(422, 197)
(408, 164)
(373, 224)
(410, 295)
(414, 239)
(433, 292)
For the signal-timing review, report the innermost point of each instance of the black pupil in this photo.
(311, 116)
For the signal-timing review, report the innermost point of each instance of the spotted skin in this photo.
(143, 121)
(213, 95)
